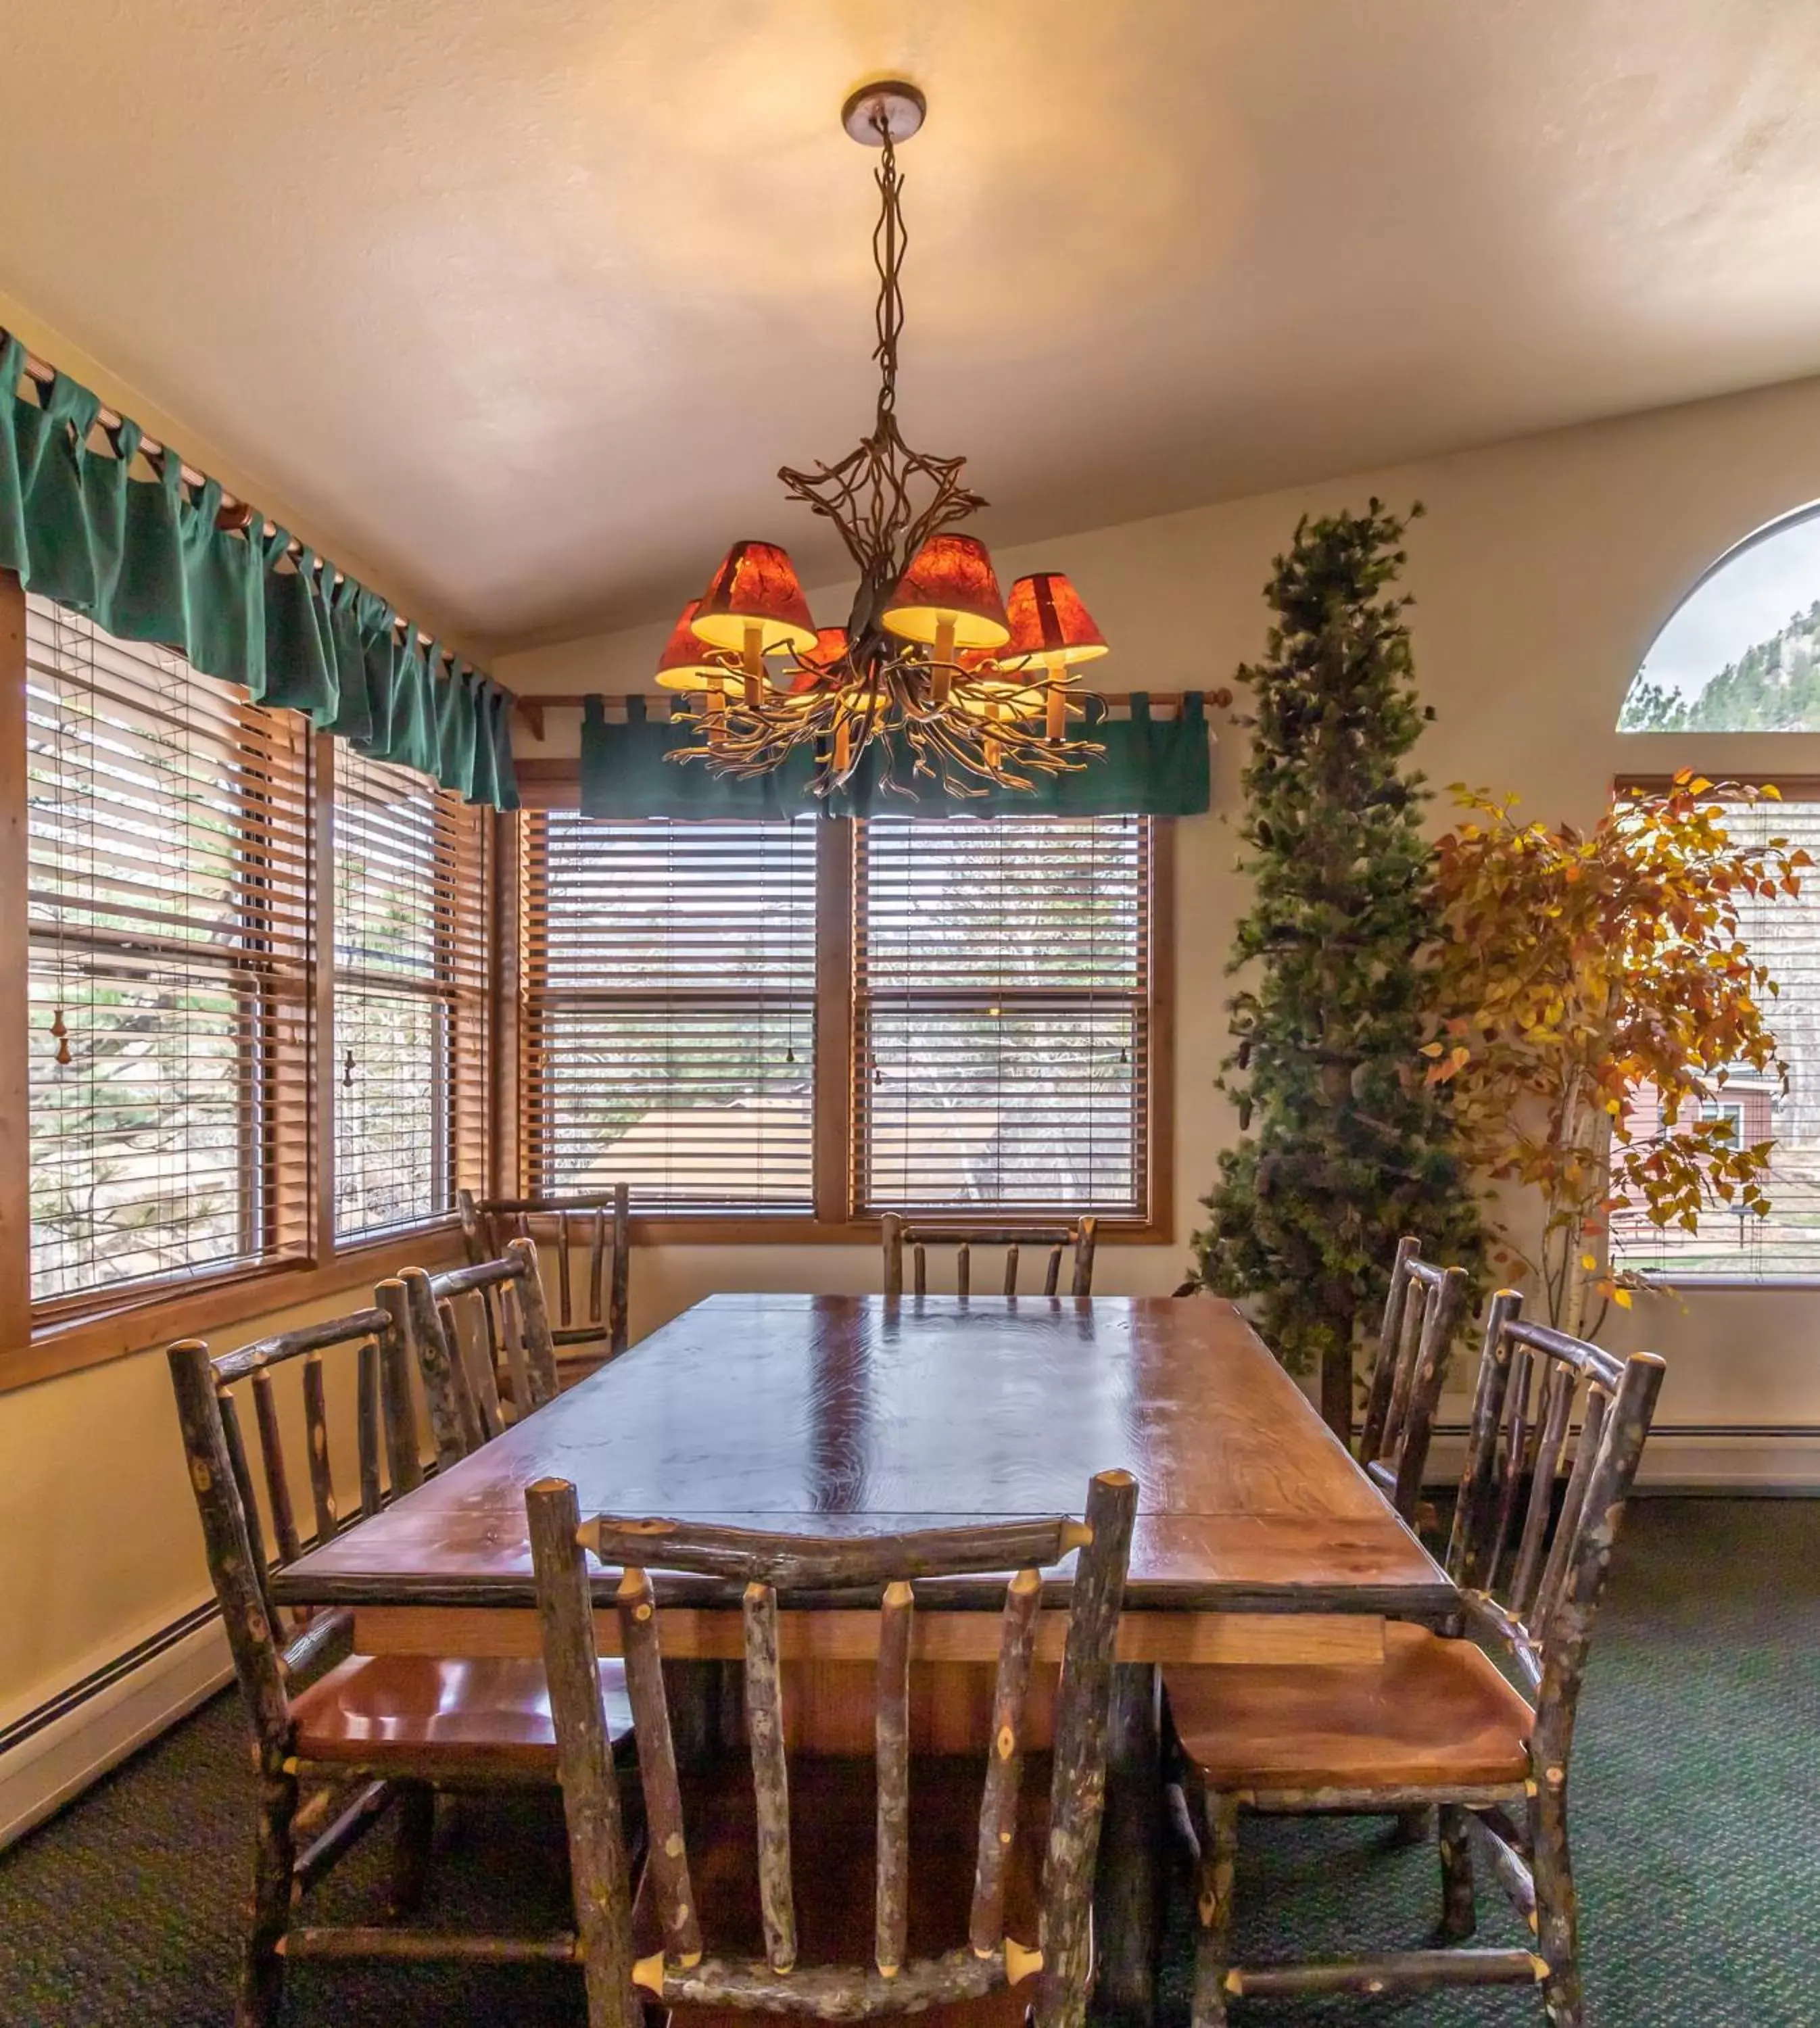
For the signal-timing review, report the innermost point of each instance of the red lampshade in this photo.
(1050, 626)
(950, 581)
(684, 664)
(755, 585)
(831, 647)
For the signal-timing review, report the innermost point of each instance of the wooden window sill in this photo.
(66, 1339)
(716, 1229)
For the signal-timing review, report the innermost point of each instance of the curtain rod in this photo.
(234, 515)
(532, 709)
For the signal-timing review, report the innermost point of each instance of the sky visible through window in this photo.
(1742, 651)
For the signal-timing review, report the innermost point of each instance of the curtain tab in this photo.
(636, 707)
(126, 441)
(70, 401)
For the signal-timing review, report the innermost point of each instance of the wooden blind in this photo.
(169, 840)
(1002, 969)
(1786, 934)
(411, 996)
(668, 1019)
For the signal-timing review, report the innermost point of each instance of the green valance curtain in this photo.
(1152, 767)
(144, 558)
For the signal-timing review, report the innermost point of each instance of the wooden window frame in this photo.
(555, 785)
(65, 1334)
(470, 1008)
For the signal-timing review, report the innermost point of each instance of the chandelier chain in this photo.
(890, 239)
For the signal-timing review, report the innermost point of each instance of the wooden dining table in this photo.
(1257, 1540)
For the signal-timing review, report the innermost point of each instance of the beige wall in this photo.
(99, 1542)
(1542, 570)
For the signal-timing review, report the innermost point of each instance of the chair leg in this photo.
(411, 1851)
(1458, 1916)
(1557, 1911)
(261, 1997)
(1213, 1909)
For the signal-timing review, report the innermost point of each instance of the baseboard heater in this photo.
(1761, 1460)
(53, 1752)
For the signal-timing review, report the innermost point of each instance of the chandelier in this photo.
(956, 686)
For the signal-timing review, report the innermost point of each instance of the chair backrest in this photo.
(1079, 1238)
(601, 1219)
(1422, 1317)
(1532, 1565)
(766, 1565)
(459, 1325)
(221, 1476)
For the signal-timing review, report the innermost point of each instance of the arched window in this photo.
(1741, 652)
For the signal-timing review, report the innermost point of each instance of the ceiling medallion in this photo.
(958, 686)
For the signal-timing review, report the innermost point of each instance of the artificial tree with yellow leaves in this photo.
(1582, 969)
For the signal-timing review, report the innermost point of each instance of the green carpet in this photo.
(1696, 1833)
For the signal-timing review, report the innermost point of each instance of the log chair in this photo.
(1421, 1318)
(1079, 1238)
(590, 1326)
(1436, 1725)
(694, 1936)
(466, 1328)
(371, 1731)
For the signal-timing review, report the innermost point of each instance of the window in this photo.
(671, 1013)
(1002, 981)
(168, 836)
(1785, 933)
(1741, 652)
(409, 1063)
(1732, 1113)
(698, 1021)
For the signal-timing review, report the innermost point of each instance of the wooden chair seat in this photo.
(488, 1715)
(832, 1857)
(1435, 1713)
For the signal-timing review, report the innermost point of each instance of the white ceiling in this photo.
(527, 301)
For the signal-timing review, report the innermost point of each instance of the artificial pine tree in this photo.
(1344, 1147)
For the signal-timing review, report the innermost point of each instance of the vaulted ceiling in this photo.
(527, 302)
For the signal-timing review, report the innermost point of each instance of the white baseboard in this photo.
(60, 1758)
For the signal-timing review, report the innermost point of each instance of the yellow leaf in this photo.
(1621, 1298)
